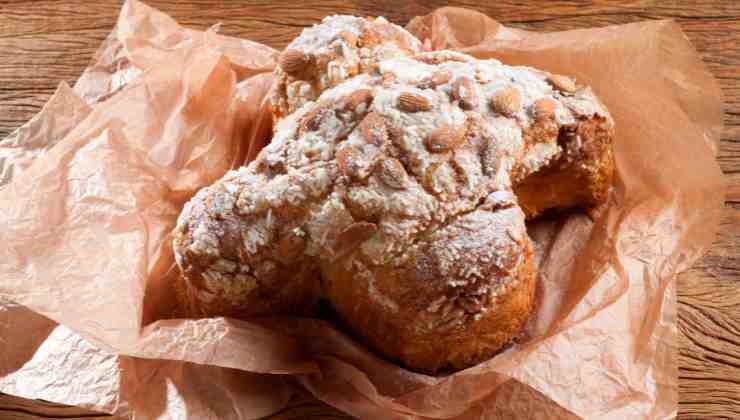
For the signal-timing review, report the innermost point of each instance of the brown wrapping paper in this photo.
(93, 185)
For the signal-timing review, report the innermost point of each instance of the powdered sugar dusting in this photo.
(339, 48)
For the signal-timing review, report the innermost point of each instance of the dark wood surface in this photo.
(45, 42)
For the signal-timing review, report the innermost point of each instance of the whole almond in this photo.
(507, 101)
(348, 161)
(311, 121)
(294, 62)
(396, 137)
(544, 108)
(562, 83)
(464, 92)
(358, 101)
(373, 130)
(413, 102)
(437, 78)
(491, 155)
(354, 235)
(440, 77)
(392, 173)
(442, 139)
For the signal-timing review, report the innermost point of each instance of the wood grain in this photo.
(15, 408)
(45, 42)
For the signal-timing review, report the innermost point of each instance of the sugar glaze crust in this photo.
(400, 186)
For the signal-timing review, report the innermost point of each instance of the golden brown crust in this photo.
(450, 301)
(223, 278)
(291, 289)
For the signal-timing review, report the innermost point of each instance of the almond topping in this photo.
(507, 101)
(396, 136)
(294, 62)
(372, 128)
(369, 37)
(348, 161)
(413, 102)
(544, 108)
(562, 83)
(440, 77)
(442, 139)
(392, 173)
(312, 120)
(463, 91)
(437, 78)
(350, 39)
(358, 101)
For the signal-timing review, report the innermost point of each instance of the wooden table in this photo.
(44, 42)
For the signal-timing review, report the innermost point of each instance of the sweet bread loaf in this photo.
(400, 194)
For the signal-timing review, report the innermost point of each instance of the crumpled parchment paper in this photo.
(91, 187)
